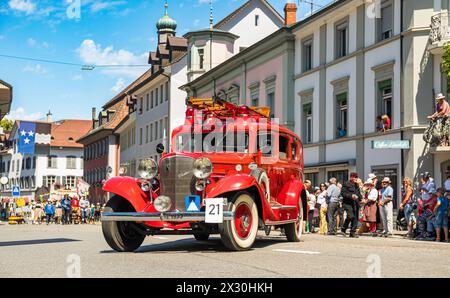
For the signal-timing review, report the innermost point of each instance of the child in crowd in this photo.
(441, 214)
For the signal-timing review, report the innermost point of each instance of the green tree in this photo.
(6, 124)
(446, 64)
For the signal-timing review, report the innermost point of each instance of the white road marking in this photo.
(298, 251)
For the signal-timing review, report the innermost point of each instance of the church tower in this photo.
(166, 26)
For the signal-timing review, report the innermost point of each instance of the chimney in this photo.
(94, 114)
(49, 117)
(290, 14)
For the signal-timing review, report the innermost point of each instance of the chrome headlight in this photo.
(203, 168)
(162, 204)
(147, 168)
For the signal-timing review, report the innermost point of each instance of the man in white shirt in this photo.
(84, 205)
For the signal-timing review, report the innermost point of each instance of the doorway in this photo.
(390, 172)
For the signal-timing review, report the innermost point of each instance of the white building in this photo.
(57, 164)
(356, 60)
(160, 105)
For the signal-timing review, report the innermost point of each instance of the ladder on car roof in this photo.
(222, 108)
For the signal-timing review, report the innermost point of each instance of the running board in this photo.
(282, 207)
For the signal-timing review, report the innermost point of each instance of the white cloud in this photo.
(25, 6)
(119, 86)
(20, 114)
(33, 43)
(100, 5)
(36, 69)
(94, 54)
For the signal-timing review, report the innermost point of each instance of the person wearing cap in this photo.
(386, 207)
(49, 211)
(370, 206)
(333, 194)
(351, 195)
(441, 214)
(442, 108)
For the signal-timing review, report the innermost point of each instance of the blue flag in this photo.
(27, 137)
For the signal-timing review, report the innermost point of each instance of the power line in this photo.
(83, 66)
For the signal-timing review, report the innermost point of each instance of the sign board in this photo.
(214, 210)
(192, 203)
(16, 191)
(392, 144)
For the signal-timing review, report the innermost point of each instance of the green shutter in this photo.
(385, 84)
(341, 97)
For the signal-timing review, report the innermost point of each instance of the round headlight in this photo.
(147, 168)
(162, 204)
(203, 168)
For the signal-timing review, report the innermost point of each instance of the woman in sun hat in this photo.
(370, 206)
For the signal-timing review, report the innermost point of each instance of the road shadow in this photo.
(193, 246)
(36, 242)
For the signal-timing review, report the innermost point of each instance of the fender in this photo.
(240, 182)
(231, 183)
(290, 193)
(129, 189)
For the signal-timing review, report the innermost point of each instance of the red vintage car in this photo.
(230, 171)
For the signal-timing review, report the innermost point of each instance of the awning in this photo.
(5, 98)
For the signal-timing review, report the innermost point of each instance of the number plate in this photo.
(214, 210)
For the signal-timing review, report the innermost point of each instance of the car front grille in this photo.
(177, 179)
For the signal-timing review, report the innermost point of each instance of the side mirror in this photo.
(160, 148)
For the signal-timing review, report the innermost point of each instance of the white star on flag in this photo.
(31, 133)
(27, 141)
(23, 133)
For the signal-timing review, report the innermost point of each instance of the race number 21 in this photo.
(214, 211)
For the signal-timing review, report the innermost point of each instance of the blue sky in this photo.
(107, 32)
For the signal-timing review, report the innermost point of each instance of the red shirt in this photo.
(75, 203)
(387, 123)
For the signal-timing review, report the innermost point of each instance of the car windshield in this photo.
(231, 142)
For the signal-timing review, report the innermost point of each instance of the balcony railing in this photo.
(439, 27)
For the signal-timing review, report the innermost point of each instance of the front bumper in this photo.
(167, 216)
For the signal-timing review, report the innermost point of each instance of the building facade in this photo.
(357, 61)
(352, 62)
(59, 169)
(101, 146)
(159, 103)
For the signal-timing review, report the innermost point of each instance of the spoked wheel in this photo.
(240, 233)
(294, 231)
(121, 236)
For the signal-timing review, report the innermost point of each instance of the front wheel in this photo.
(240, 233)
(121, 236)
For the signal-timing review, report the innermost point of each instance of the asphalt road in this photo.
(73, 251)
